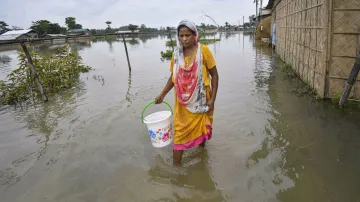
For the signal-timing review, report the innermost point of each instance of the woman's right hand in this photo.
(159, 99)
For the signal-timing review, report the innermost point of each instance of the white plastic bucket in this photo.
(159, 126)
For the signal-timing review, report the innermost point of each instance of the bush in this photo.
(58, 71)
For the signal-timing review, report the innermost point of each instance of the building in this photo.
(14, 35)
(320, 41)
(52, 36)
(79, 32)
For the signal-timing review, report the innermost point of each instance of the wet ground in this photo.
(88, 144)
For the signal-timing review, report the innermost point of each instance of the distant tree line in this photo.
(44, 27)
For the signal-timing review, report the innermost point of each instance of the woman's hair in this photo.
(182, 26)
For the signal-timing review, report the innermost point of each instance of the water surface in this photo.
(88, 143)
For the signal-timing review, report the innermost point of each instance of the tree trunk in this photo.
(33, 71)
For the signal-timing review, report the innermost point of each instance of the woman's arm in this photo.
(169, 85)
(214, 85)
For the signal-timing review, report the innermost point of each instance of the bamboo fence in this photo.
(320, 39)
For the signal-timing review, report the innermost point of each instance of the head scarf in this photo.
(188, 80)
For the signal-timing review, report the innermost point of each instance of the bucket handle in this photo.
(150, 103)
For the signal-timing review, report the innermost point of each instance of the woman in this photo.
(195, 92)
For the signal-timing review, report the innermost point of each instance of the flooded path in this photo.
(269, 144)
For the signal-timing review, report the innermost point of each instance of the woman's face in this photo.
(186, 37)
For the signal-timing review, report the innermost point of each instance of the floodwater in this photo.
(88, 144)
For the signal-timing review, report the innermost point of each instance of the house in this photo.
(27, 34)
(320, 42)
(79, 32)
(56, 36)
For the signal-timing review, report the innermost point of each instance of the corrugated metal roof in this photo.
(78, 30)
(9, 37)
(17, 32)
(56, 35)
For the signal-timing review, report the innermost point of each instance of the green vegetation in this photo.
(167, 55)
(71, 23)
(350, 104)
(287, 68)
(208, 41)
(3, 27)
(44, 27)
(58, 71)
(304, 89)
(172, 43)
(202, 41)
(132, 27)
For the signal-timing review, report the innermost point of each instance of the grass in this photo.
(350, 103)
(265, 33)
(208, 41)
(287, 68)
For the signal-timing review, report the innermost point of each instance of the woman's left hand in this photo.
(211, 107)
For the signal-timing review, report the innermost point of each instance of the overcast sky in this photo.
(153, 13)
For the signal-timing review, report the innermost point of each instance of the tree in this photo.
(71, 23)
(142, 28)
(77, 26)
(108, 29)
(3, 27)
(63, 30)
(44, 27)
(227, 25)
(132, 27)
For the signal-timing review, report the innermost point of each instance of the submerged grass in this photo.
(306, 89)
(172, 43)
(166, 55)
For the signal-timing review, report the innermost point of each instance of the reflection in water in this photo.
(110, 42)
(192, 182)
(5, 59)
(133, 41)
(42, 121)
(304, 150)
(128, 98)
(145, 37)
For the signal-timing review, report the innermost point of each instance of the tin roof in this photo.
(56, 35)
(78, 30)
(9, 37)
(17, 32)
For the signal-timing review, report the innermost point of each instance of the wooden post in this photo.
(36, 76)
(350, 82)
(351, 79)
(126, 51)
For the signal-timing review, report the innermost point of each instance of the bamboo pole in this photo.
(126, 51)
(350, 82)
(33, 71)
